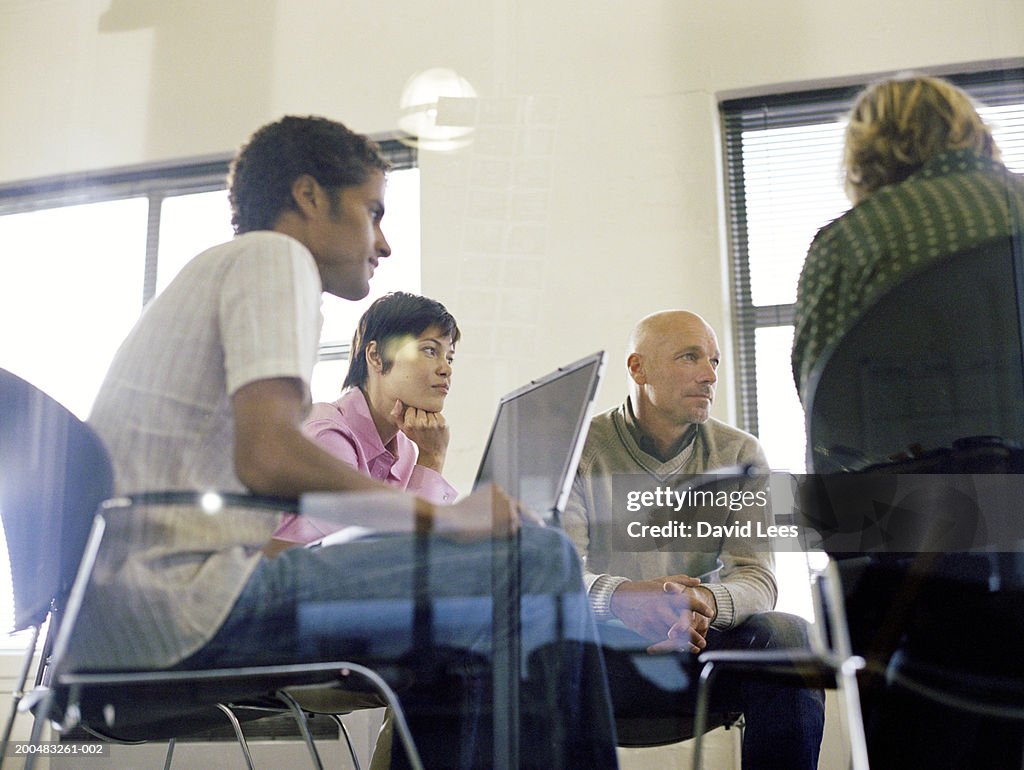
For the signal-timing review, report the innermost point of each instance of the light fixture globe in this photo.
(437, 110)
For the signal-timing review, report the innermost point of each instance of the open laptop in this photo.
(538, 434)
(534, 446)
(532, 452)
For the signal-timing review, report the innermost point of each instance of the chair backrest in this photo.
(54, 473)
(936, 359)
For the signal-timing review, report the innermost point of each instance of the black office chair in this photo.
(930, 380)
(936, 359)
(54, 476)
(828, 663)
(662, 718)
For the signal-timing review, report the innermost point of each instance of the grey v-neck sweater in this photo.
(613, 474)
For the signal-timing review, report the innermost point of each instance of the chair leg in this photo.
(848, 664)
(300, 718)
(700, 721)
(738, 727)
(846, 683)
(238, 734)
(19, 692)
(348, 740)
(38, 722)
(396, 709)
(169, 755)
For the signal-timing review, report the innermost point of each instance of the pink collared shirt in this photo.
(346, 430)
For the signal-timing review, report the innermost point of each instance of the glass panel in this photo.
(190, 224)
(780, 416)
(70, 289)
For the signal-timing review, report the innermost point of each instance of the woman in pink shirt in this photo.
(388, 422)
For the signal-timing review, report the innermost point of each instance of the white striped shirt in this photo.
(243, 311)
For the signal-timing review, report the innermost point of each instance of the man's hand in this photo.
(691, 630)
(672, 612)
(486, 512)
(428, 430)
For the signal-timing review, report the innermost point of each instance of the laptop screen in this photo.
(538, 435)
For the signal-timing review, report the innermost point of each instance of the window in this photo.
(80, 256)
(783, 166)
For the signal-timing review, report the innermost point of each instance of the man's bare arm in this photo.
(273, 457)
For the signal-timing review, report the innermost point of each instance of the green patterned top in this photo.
(956, 201)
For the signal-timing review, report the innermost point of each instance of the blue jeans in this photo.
(784, 724)
(429, 604)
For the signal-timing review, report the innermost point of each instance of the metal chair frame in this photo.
(58, 445)
(829, 661)
(43, 697)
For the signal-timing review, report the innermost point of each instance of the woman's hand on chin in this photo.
(428, 430)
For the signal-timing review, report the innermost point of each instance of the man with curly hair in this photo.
(208, 392)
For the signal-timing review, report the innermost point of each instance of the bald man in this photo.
(654, 594)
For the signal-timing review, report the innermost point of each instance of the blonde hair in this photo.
(898, 124)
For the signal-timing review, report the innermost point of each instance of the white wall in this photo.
(592, 194)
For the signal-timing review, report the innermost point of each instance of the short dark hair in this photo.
(390, 317)
(262, 173)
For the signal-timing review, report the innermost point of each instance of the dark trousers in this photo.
(784, 724)
(948, 613)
